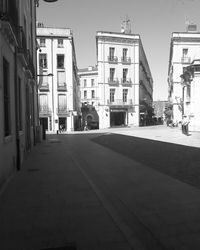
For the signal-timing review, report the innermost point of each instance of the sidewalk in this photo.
(161, 133)
(49, 204)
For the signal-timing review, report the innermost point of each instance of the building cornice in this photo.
(108, 39)
(186, 39)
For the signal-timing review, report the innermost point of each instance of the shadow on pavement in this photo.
(178, 161)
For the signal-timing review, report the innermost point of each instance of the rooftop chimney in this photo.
(191, 27)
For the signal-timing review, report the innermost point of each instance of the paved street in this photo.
(130, 188)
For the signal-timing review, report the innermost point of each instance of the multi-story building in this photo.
(58, 80)
(125, 84)
(89, 94)
(184, 48)
(191, 94)
(18, 88)
(159, 108)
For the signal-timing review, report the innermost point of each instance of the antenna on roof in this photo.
(126, 26)
(190, 26)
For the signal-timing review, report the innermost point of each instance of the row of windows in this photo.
(61, 78)
(124, 95)
(43, 101)
(124, 74)
(43, 62)
(92, 82)
(112, 94)
(59, 42)
(92, 94)
(112, 52)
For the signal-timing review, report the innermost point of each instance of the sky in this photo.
(153, 20)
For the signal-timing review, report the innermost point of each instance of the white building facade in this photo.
(184, 48)
(191, 94)
(89, 91)
(18, 87)
(125, 84)
(59, 104)
(89, 85)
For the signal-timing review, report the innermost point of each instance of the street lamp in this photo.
(50, 74)
(47, 1)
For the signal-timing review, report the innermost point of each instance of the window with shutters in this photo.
(62, 103)
(61, 76)
(43, 60)
(43, 103)
(60, 43)
(125, 94)
(60, 61)
(112, 95)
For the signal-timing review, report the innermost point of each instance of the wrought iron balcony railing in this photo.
(186, 60)
(126, 60)
(31, 66)
(44, 110)
(120, 102)
(62, 87)
(62, 110)
(44, 87)
(22, 41)
(126, 81)
(112, 59)
(113, 81)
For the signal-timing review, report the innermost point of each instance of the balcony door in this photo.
(62, 104)
(111, 53)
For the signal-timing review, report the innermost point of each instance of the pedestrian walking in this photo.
(86, 126)
(185, 125)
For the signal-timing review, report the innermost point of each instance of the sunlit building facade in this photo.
(88, 78)
(191, 94)
(125, 84)
(58, 95)
(184, 49)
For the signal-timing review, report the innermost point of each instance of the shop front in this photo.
(118, 117)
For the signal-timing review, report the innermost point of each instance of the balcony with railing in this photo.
(113, 81)
(126, 60)
(44, 86)
(22, 48)
(62, 110)
(112, 59)
(62, 86)
(120, 102)
(126, 81)
(23, 52)
(30, 65)
(187, 99)
(186, 60)
(44, 110)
